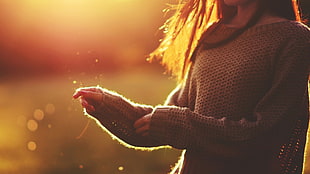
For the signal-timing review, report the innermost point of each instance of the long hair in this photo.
(192, 18)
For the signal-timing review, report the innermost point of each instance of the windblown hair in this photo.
(192, 18)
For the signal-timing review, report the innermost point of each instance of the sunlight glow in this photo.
(77, 35)
(63, 38)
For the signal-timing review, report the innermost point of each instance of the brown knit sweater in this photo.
(242, 109)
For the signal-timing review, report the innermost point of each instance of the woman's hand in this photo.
(90, 98)
(142, 125)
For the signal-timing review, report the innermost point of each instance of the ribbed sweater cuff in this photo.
(166, 126)
(159, 124)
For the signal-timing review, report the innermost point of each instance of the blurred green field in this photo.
(40, 121)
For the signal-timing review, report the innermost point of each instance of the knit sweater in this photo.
(243, 107)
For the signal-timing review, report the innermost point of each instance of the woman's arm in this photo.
(278, 110)
(117, 115)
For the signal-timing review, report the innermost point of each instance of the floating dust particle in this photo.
(50, 108)
(120, 168)
(81, 166)
(32, 146)
(49, 126)
(32, 125)
(38, 114)
(74, 82)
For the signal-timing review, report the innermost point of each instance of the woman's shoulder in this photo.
(296, 31)
(276, 22)
(285, 29)
(296, 27)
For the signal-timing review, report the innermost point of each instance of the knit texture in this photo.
(117, 115)
(243, 107)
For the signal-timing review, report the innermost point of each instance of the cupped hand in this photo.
(142, 125)
(90, 98)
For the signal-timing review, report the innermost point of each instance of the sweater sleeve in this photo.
(117, 115)
(185, 129)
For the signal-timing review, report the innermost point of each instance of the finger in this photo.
(87, 106)
(83, 102)
(143, 130)
(92, 89)
(77, 94)
(139, 123)
(95, 96)
(89, 110)
(142, 121)
(81, 91)
(90, 95)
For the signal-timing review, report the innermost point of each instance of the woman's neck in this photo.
(244, 13)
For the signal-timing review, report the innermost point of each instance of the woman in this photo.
(241, 105)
